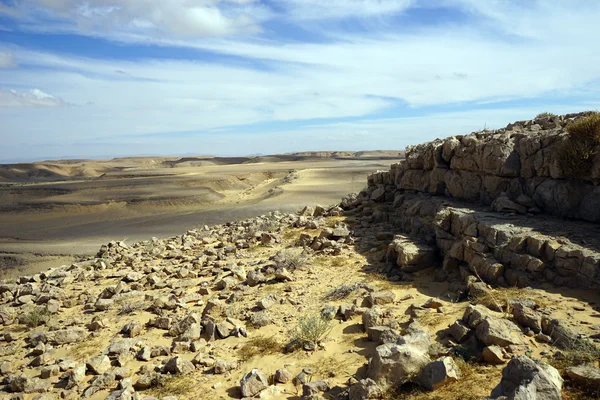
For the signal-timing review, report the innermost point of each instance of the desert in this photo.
(299, 200)
(53, 210)
(448, 275)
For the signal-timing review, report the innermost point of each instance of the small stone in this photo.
(493, 355)
(282, 376)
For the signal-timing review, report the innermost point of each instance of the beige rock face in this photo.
(517, 161)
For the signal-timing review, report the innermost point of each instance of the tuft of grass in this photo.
(36, 317)
(129, 308)
(291, 259)
(259, 345)
(311, 329)
(86, 349)
(343, 291)
(498, 299)
(181, 386)
(586, 128)
(576, 156)
(545, 115)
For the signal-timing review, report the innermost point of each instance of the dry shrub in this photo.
(36, 317)
(577, 153)
(545, 115)
(259, 345)
(580, 351)
(291, 259)
(182, 386)
(498, 299)
(311, 329)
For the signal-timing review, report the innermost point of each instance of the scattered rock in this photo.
(253, 383)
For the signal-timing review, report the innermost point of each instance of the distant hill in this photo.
(57, 170)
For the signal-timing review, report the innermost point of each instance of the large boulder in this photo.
(526, 379)
(395, 364)
(365, 389)
(253, 383)
(178, 366)
(585, 375)
(497, 331)
(438, 373)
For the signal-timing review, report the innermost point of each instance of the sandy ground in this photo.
(81, 206)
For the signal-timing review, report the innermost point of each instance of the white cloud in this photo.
(338, 9)
(29, 98)
(142, 20)
(7, 59)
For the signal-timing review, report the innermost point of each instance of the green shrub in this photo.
(36, 317)
(311, 330)
(577, 154)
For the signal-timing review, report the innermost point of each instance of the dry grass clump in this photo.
(259, 345)
(499, 299)
(181, 386)
(579, 352)
(36, 317)
(545, 115)
(343, 291)
(577, 154)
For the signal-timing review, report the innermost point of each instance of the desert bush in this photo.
(343, 291)
(578, 151)
(36, 317)
(259, 345)
(579, 351)
(129, 308)
(291, 259)
(173, 385)
(545, 115)
(311, 330)
(586, 129)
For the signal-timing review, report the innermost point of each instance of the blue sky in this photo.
(107, 78)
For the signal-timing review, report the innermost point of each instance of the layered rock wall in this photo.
(519, 161)
(440, 193)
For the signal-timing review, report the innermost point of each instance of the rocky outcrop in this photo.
(518, 165)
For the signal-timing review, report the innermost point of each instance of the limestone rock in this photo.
(365, 389)
(525, 379)
(394, 364)
(178, 366)
(585, 375)
(253, 383)
(98, 365)
(438, 373)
